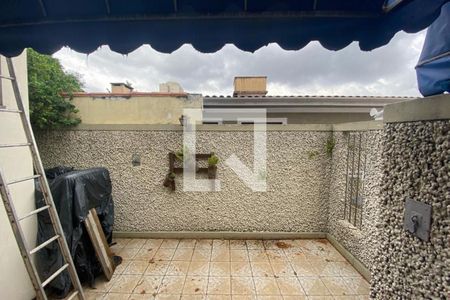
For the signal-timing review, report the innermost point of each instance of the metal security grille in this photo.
(354, 183)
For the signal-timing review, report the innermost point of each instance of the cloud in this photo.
(312, 70)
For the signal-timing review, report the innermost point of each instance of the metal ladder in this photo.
(14, 219)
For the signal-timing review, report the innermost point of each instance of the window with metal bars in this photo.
(355, 174)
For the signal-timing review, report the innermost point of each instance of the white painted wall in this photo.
(15, 163)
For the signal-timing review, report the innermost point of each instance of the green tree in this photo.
(50, 91)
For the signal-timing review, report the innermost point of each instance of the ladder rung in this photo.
(17, 111)
(34, 212)
(14, 145)
(44, 244)
(72, 296)
(24, 179)
(7, 77)
(54, 275)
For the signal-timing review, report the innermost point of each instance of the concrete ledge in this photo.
(351, 259)
(220, 235)
(171, 127)
(421, 109)
(359, 126)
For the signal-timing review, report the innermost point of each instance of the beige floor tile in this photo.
(193, 297)
(148, 285)
(136, 267)
(178, 268)
(313, 286)
(167, 297)
(157, 268)
(187, 243)
(296, 297)
(242, 286)
(164, 254)
(136, 243)
(125, 284)
(238, 245)
(347, 270)
(145, 254)
(320, 297)
(238, 255)
(116, 296)
(93, 296)
(294, 254)
(152, 244)
(283, 269)
(128, 253)
(218, 297)
(255, 244)
(287, 244)
(121, 242)
(169, 243)
(266, 286)
(243, 297)
(221, 244)
(289, 286)
(219, 269)
(261, 269)
(240, 269)
(303, 269)
(346, 298)
(269, 297)
(220, 254)
(122, 267)
(271, 244)
(219, 286)
(172, 285)
(195, 285)
(325, 268)
(204, 244)
(199, 268)
(184, 254)
(276, 255)
(337, 286)
(258, 255)
(142, 297)
(115, 248)
(358, 285)
(201, 254)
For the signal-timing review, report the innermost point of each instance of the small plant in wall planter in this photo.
(213, 160)
(169, 181)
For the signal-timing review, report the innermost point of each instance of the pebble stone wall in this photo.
(360, 241)
(416, 164)
(297, 176)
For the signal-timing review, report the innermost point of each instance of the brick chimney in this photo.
(121, 88)
(250, 86)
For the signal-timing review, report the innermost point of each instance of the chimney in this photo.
(121, 88)
(170, 87)
(250, 86)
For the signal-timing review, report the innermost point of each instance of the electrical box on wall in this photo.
(418, 219)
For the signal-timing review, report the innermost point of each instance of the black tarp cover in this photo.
(74, 194)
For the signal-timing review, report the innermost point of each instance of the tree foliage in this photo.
(47, 82)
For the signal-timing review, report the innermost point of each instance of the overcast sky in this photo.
(313, 70)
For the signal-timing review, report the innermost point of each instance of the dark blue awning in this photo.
(433, 69)
(84, 25)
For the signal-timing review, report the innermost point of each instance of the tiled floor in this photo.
(230, 269)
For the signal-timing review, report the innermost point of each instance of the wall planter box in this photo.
(211, 170)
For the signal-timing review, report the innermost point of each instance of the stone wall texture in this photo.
(361, 242)
(416, 164)
(298, 175)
